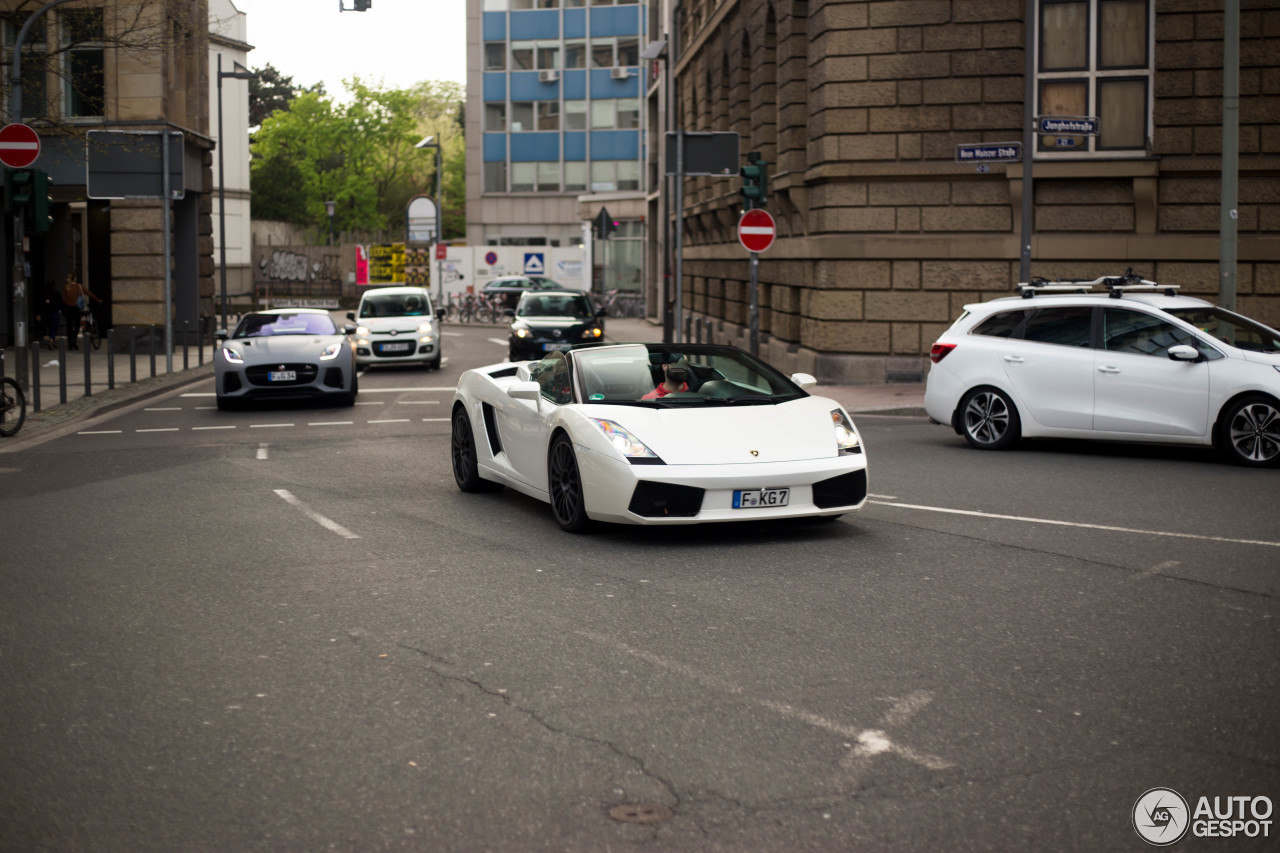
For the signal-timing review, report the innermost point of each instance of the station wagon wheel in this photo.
(1251, 431)
(462, 445)
(567, 502)
(989, 420)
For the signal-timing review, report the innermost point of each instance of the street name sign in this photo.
(756, 230)
(989, 152)
(1068, 125)
(19, 146)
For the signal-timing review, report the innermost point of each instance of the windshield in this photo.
(274, 325)
(555, 305)
(395, 305)
(1239, 332)
(673, 376)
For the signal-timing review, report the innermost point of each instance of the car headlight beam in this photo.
(626, 443)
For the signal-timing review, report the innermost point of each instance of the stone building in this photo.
(883, 236)
(134, 66)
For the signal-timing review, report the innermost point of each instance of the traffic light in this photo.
(41, 186)
(17, 189)
(755, 182)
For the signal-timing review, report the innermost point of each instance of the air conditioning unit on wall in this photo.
(620, 73)
(548, 76)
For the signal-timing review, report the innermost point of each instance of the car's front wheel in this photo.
(567, 502)
(989, 420)
(466, 473)
(1251, 431)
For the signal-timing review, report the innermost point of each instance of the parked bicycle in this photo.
(13, 403)
(89, 326)
(623, 303)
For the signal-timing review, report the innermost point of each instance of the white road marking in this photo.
(433, 420)
(450, 389)
(226, 426)
(1081, 525)
(315, 516)
(883, 497)
(390, 421)
(169, 409)
(269, 426)
(158, 429)
(370, 403)
(331, 423)
(100, 432)
(262, 452)
(502, 342)
(870, 741)
(199, 394)
(417, 402)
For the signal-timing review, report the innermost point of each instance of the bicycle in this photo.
(623, 303)
(89, 325)
(13, 403)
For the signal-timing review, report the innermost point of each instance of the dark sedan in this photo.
(507, 290)
(545, 321)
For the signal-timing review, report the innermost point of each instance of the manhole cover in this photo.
(640, 812)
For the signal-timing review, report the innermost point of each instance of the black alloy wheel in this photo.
(989, 420)
(1251, 432)
(466, 473)
(567, 502)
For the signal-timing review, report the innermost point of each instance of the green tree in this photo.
(269, 91)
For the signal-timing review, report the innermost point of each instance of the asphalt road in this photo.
(286, 629)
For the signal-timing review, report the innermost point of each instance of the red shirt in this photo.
(661, 391)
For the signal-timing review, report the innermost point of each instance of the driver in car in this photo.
(677, 379)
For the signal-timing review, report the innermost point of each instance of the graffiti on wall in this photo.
(289, 265)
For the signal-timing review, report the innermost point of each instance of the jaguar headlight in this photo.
(847, 439)
(331, 352)
(626, 443)
(232, 356)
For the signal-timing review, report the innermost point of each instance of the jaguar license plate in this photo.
(282, 376)
(400, 347)
(748, 498)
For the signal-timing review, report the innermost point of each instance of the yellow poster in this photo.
(386, 263)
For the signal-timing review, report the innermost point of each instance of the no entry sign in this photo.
(19, 146)
(756, 230)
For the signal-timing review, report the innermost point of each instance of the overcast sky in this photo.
(396, 42)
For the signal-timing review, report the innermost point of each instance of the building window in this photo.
(603, 114)
(628, 113)
(523, 176)
(35, 95)
(549, 176)
(1095, 60)
(521, 116)
(495, 117)
(548, 55)
(602, 53)
(495, 56)
(575, 53)
(628, 174)
(495, 5)
(604, 176)
(522, 55)
(495, 177)
(548, 115)
(629, 51)
(575, 175)
(575, 115)
(82, 36)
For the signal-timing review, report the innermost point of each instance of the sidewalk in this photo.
(897, 399)
(79, 406)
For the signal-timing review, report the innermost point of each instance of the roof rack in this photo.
(1116, 286)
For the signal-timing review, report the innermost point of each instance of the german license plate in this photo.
(400, 347)
(282, 376)
(550, 347)
(748, 498)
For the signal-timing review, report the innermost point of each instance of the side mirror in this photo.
(804, 380)
(351, 315)
(221, 334)
(1184, 352)
(510, 312)
(349, 329)
(524, 390)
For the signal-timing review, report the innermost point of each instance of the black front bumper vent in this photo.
(845, 490)
(257, 375)
(665, 500)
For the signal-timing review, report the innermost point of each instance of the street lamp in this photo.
(328, 208)
(237, 72)
(432, 142)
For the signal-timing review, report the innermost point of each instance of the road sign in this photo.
(987, 152)
(442, 251)
(130, 164)
(714, 154)
(19, 146)
(1068, 125)
(534, 263)
(756, 230)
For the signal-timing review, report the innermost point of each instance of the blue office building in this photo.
(554, 120)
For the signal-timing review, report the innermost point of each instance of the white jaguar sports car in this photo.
(657, 434)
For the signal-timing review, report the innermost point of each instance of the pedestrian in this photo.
(75, 303)
(50, 313)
